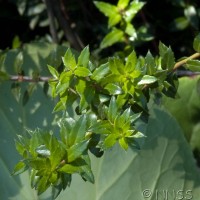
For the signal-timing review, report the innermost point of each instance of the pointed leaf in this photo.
(69, 60)
(110, 140)
(112, 109)
(122, 4)
(77, 133)
(100, 72)
(131, 62)
(106, 8)
(77, 150)
(196, 43)
(132, 10)
(111, 38)
(53, 71)
(168, 60)
(146, 79)
(70, 169)
(83, 59)
(82, 72)
(113, 89)
(150, 64)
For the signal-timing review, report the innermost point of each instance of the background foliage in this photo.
(172, 131)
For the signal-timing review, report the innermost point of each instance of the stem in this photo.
(21, 78)
(182, 62)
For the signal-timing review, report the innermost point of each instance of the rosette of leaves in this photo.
(53, 161)
(120, 17)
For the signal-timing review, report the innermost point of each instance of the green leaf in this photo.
(19, 62)
(146, 79)
(107, 9)
(113, 89)
(122, 4)
(150, 64)
(168, 60)
(112, 109)
(130, 30)
(111, 38)
(131, 62)
(77, 150)
(53, 71)
(83, 59)
(196, 43)
(82, 72)
(114, 20)
(123, 143)
(43, 184)
(43, 151)
(19, 168)
(193, 65)
(110, 140)
(132, 10)
(4, 76)
(70, 169)
(100, 72)
(162, 49)
(179, 23)
(69, 60)
(77, 133)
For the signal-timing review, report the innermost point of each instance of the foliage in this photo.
(107, 124)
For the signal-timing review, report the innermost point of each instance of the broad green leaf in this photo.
(189, 99)
(116, 66)
(193, 65)
(146, 79)
(196, 43)
(107, 9)
(82, 72)
(162, 164)
(168, 60)
(122, 4)
(132, 10)
(69, 60)
(150, 64)
(113, 89)
(53, 71)
(83, 59)
(112, 37)
(100, 72)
